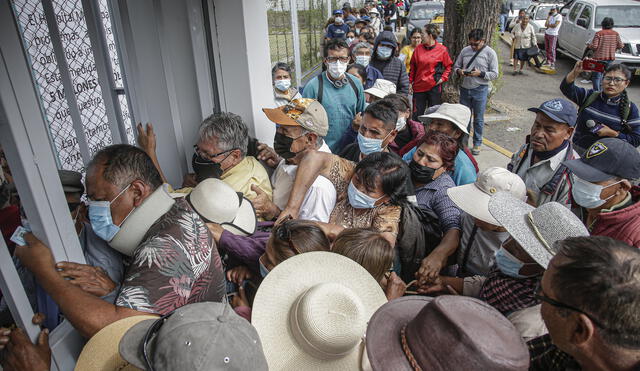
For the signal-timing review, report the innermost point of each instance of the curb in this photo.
(496, 147)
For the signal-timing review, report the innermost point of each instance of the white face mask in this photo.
(400, 124)
(338, 20)
(337, 69)
(363, 59)
(283, 85)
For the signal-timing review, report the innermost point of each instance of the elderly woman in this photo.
(524, 37)
(283, 92)
(610, 109)
(361, 55)
(370, 194)
(430, 169)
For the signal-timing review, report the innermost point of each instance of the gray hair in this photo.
(227, 129)
(124, 163)
(361, 45)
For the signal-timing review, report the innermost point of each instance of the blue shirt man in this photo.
(338, 29)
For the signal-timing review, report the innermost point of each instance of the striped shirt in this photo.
(605, 43)
(433, 196)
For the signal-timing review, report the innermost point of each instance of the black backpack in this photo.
(419, 235)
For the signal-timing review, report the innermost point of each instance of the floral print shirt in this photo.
(176, 264)
(382, 218)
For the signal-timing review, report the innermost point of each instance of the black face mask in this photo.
(421, 174)
(282, 146)
(205, 169)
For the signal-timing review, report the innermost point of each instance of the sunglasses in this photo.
(284, 234)
(540, 295)
(151, 333)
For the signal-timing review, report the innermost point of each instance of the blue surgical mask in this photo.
(363, 60)
(587, 194)
(100, 217)
(360, 200)
(263, 270)
(369, 145)
(509, 264)
(384, 52)
(283, 85)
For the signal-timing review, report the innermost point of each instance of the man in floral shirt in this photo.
(173, 259)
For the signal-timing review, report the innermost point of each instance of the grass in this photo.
(281, 49)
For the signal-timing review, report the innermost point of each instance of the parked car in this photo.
(423, 13)
(538, 12)
(517, 5)
(582, 18)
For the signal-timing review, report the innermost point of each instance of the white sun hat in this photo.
(311, 312)
(458, 114)
(216, 202)
(381, 88)
(474, 198)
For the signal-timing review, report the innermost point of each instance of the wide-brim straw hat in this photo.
(536, 229)
(101, 351)
(311, 312)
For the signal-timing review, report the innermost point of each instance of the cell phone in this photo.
(467, 73)
(589, 64)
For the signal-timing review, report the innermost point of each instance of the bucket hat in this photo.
(195, 337)
(311, 312)
(458, 114)
(536, 229)
(216, 202)
(474, 198)
(381, 88)
(449, 332)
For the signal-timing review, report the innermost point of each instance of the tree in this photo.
(462, 16)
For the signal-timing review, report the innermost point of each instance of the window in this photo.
(574, 11)
(543, 12)
(586, 15)
(624, 16)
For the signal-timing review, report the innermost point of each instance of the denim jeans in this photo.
(476, 100)
(596, 77)
(503, 21)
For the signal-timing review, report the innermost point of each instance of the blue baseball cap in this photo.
(364, 19)
(560, 110)
(605, 159)
(339, 11)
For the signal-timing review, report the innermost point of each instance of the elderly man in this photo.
(538, 162)
(340, 93)
(173, 259)
(361, 54)
(301, 126)
(590, 303)
(377, 131)
(603, 187)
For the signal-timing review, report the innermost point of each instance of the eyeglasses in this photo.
(540, 295)
(615, 80)
(284, 234)
(207, 156)
(335, 59)
(475, 44)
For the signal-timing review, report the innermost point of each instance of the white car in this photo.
(517, 5)
(582, 18)
(538, 13)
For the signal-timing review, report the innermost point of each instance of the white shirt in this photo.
(553, 20)
(540, 173)
(320, 199)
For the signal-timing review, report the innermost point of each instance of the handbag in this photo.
(533, 51)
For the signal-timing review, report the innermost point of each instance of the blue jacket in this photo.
(604, 111)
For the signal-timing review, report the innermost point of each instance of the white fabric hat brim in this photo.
(101, 351)
(280, 290)
(377, 92)
(436, 115)
(473, 201)
(245, 222)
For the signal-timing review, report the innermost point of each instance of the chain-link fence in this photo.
(81, 69)
(311, 22)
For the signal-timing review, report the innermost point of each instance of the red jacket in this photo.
(417, 132)
(428, 63)
(622, 225)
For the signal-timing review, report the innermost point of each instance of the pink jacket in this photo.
(622, 225)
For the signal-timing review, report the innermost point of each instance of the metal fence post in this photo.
(295, 31)
(329, 9)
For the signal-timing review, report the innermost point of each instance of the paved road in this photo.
(517, 93)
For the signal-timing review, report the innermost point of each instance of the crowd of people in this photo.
(365, 235)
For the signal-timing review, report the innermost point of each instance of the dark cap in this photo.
(560, 110)
(364, 19)
(605, 159)
(338, 11)
(71, 181)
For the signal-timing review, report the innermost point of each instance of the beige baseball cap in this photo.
(474, 198)
(381, 88)
(305, 112)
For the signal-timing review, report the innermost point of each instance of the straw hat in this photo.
(311, 312)
(536, 229)
(216, 202)
(101, 351)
